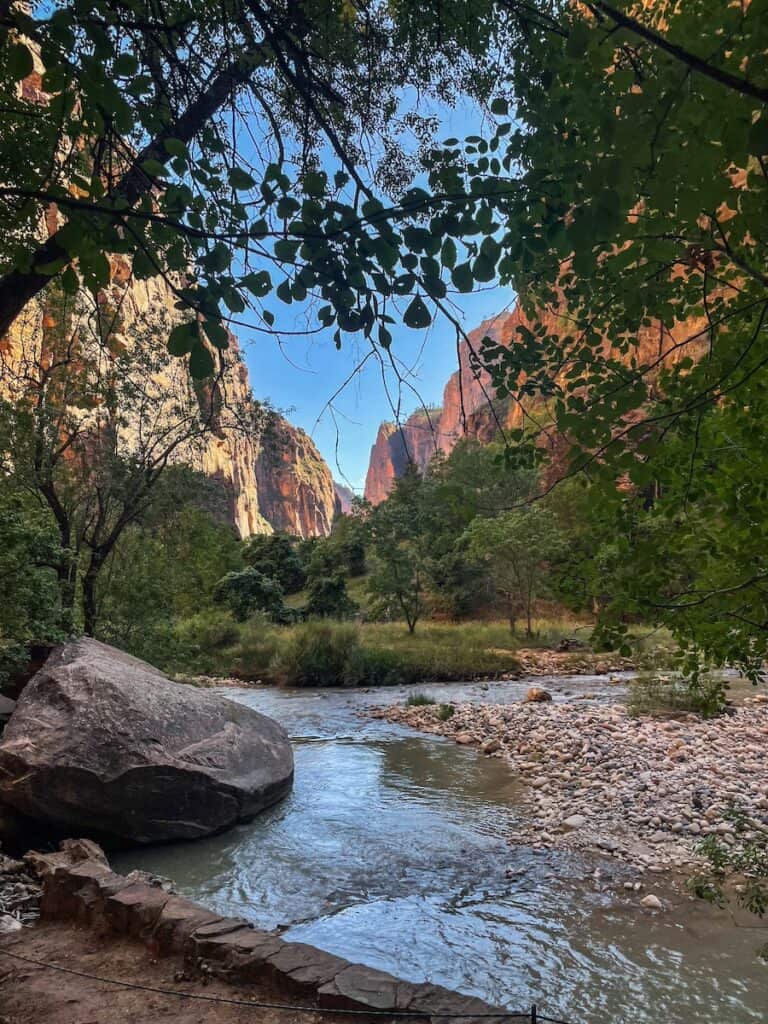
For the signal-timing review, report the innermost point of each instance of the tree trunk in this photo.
(90, 609)
(89, 603)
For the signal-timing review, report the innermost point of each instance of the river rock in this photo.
(575, 821)
(103, 743)
(9, 924)
(651, 902)
(536, 695)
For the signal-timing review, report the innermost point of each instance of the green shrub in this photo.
(316, 653)
(668, 694)
(211, 630)
(328, 598)
(248, 591)
(445, 711)
(371, 666)
(258, 646)
(419, 700)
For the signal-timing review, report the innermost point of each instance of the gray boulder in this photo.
(101, 743)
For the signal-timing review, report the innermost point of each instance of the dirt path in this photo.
(36, 995)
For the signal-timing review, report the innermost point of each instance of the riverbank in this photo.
(128, 941)
(644, 791)
(441, 656)
(35, 995)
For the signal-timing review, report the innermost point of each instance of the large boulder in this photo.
(102, 743)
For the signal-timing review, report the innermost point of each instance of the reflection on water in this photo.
(391, 851)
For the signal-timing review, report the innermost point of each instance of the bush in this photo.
(445, 711)
(370, 666)
(258, 647)
(328, 598)
(419, 700)
(316, 654)
(249, 591)
(276, 555)
(660, 695)
(209, 630)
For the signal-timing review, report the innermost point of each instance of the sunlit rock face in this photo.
(470, 408)
(295, 485)
(136, 317)
(416, 441)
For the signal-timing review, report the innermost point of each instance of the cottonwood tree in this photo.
(636, 159)
(517, 548)
(93, 411)
(397, 575)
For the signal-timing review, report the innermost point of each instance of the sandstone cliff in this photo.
(344, 498)
(295, 486)
(416, 441)
(147, 401)
(471, 409)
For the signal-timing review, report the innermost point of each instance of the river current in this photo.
(392, 850)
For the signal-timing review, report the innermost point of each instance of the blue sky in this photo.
(301, 375)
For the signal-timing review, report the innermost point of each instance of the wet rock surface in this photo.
(642, 790)
(101, 742)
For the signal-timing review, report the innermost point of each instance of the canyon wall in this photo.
(470, 408)
(292, 491)
(344, 498)
(295, 486)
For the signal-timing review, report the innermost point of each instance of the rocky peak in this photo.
(416, 441)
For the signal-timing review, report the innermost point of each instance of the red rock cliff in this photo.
(295, 485)
(469, 404)
(415, 440)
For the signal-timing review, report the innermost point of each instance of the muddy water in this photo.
(392, 851)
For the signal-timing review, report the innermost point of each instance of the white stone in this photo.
(575, 821)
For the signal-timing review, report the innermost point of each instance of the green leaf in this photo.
(200, 362)
(463, 278)
(49, 269)
(417, 315)
(258, 284)
(175, 147)
(125, 65)
(314, 183)
(183, 338)
(20, 61)
(154, 168)
(484, 268)
(217, 334)
(70, 281)
(448, 253)
(240, 179)
(500, 106)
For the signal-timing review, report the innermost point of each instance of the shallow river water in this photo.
(391, 851)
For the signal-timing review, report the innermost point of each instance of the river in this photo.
(392, 851)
